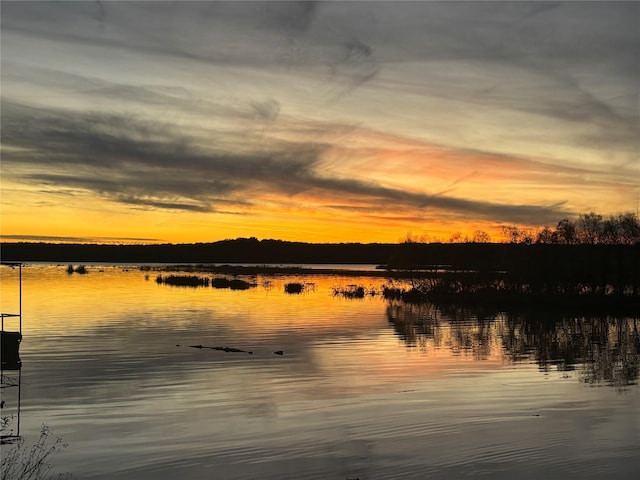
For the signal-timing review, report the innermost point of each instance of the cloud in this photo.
(141, 162)
(150, 164)
(257, 33)
(242, 107)
(267, 110)
(54, 238)
(290, 17)
(509, 50)
(472, 208)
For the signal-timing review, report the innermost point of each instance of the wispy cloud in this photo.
(142, 163)
(493, 111)
(60, 239)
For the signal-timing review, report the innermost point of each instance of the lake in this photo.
(364, 388)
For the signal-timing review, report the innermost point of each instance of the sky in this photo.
(181, 122)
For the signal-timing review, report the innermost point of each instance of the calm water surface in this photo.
(365, 389)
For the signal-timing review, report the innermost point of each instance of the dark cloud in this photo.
(475, 208)
(259, 35)
(142, 163)
(357, 67)
(136, 200)
(290, 17)
(266, 110)
(537, 32)
(354, 41)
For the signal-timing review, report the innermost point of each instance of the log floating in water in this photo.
(227, 349)
(223, 349)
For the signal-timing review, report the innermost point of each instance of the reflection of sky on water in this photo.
(364, 388)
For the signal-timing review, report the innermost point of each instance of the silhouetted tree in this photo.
(546, 235)
(480, 236)
(592, 229)
(514, 234)
(589, 228)
(566, 232)
(628, 226)
(456, 238)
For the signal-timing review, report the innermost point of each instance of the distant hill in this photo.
(242, 250)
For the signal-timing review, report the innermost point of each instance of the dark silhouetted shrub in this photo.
(293, 287)
(183, 280)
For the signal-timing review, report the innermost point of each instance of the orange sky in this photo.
(329, 122)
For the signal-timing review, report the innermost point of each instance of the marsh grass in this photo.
(183, 280)
(232, 284)
(196, 281)
(354, 291)
(293, 287)
(238, 284)
(220, 282)
(23, 462)
(81, 269)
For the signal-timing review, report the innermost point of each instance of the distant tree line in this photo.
(591, 260)
(587, 229)
(590, 229)
(512, 272)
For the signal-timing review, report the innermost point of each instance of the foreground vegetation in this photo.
(23, 462)
(196, 281)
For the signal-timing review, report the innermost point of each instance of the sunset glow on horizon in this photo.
(182, 122)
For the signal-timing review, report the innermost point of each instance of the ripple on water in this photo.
(355, 395)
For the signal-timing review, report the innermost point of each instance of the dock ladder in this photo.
(10, 341)
(10, 353)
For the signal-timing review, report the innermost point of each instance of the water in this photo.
(365, 388)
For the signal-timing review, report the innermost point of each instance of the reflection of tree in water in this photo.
(607, 349)
(551, 341)
(415, 324)
(616, 358)
(603, 349)
(461, 330)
